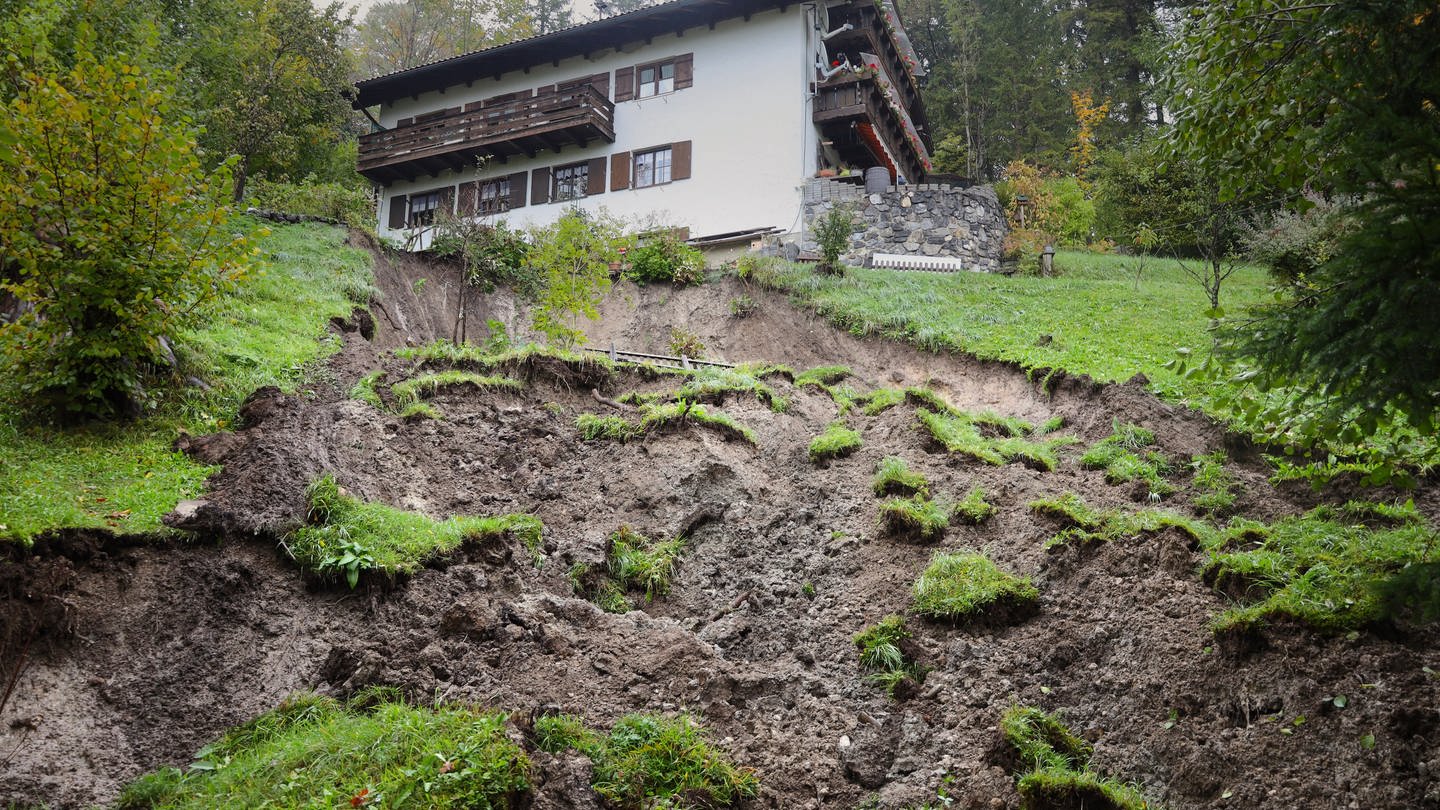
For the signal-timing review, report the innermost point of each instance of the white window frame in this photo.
(659, 83)
(422, 209)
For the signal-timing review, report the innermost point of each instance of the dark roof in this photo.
(611, 32)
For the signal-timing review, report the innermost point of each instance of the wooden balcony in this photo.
(842, 103)
(454, 138)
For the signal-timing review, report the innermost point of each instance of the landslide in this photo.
(135, 655)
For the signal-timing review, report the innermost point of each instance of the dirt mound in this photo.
(163, 647)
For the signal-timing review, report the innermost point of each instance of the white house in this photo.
(701, 114)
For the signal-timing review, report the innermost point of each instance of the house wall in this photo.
(747, 116)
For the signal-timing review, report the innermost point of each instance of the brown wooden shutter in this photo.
(517, 190)
(397, 211)
(625, 84)
(684, 71)
(680, 160)
(619, 171)
(447, 200)
(469, 198)
(595, 177)
(540, 186)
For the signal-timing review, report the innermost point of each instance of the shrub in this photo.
(490, 254)
(743, 306)
(1294, 244)
(832, 232)
(665, 258)
(965, 585)
(894, 477)
(347, 204)
(573, 256)
(837, 441)
(684, 343)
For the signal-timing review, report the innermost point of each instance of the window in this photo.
(570, 182)
(495, 196)
(423, 208)
(653, 167)
(652, 80)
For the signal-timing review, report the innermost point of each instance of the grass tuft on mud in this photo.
(317, 752)
(1083, 525)
(1123, 457)
(837, 441)
(882, 656)
(893, 476)
(917, 517)
(966, 585)
(657, 417)
(973, 508)
(1054, 766)
(408, 392)
(633, 564)
(345, 537)
(651, 761)
(990, 439)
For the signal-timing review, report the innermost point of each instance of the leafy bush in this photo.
(347, 204)
(490, 254)
(832, 232)
(743, 306)
(965, 585)
(894, 477)
(1294, 244)
(665, 258)
(684, 343)
(837, 441)
(573, 257)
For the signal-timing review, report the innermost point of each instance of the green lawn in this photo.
(124, 478)
(1092, 318)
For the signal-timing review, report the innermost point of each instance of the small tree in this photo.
(574, 255)
(112, 234)
(832, 233)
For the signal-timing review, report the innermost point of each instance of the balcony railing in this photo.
(513, 127)
(839, 102)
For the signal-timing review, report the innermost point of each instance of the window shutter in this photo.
(517, 190)
(625, 84)
(468, 199)
(397, 211)
(619, 171)
(680, 160)
(684, 71)
(540, 186)
(447, 200)
(595, 177)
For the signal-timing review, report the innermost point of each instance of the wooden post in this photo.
(1047, 261)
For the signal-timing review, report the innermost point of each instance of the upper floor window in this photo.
(653, 167)
(423, 208)
(495, 195)
(570, 182)
(652, 80)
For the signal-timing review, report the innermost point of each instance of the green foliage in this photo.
(882, 657)
(124, 478)
(894, 477)
(665, 258)
(317, 752)
(837, 441)
(1083, 525)
(991, 439)
(1214, 484)
(490, 254)
(965, 585)
(633, 563)
(684, 343)
(1296, 242)
(743, 306)
(114, 237)
(973, 508)
(917, 517)
(1335, 569)
(344, 536)
(657, 417)
(1138, 188)
(605, 428)
(832, 231)
(1118, 456)
(822, 376)
(574, 255)
(1056, 765)
(364, 389)
(411, 391)
(652, 761)
(1068, 508)
(880, 400)
(348, 204)
(713, 383)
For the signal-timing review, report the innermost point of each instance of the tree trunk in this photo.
(240, 176)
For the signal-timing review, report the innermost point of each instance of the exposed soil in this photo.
(145, 652)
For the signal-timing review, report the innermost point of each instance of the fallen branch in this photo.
(730, 608)
(619, 406)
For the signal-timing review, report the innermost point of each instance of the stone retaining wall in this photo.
(924, 220)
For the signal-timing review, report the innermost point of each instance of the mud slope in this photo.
(151, 651)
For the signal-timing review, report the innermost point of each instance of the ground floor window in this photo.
(423, 208)
(494, 196)
(570, 182)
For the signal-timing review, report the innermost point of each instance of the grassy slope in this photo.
(1099, 321)
(124, 478)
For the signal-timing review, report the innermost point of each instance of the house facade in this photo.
(706, 115)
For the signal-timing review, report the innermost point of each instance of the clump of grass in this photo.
(657, 417)
(881, 655)
(318, 752)
(1214, 483)
(1335, 569)
(652, 761)
(991, 439)
(836, 442)
(894, 477)
(364, 390)
(410, 391)
(880, 400)
(605, 428)
(416, 411)
(1055, 765)
(1084, 525)
(822, 376)
(1120, 456)
(712, 384)
(963, 586)
(917, 517)
(633, 564)
(345, 537)
(973, 508)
